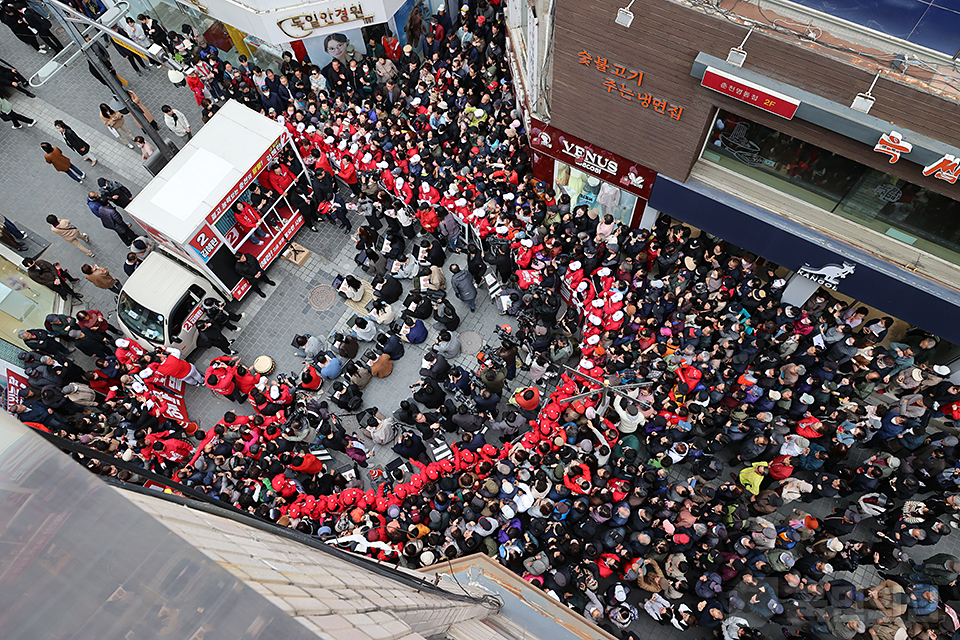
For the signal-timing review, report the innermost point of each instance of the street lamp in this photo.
(71, 18)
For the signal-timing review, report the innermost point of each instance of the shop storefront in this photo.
(23, 304)
(590, 175)
(824, 261)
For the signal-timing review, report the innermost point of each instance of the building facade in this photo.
(769, 155)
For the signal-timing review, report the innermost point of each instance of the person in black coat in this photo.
(249, 267)
(416, 305)
(92, 343)
(475, 264)
(410, 445)
(109, 218)
(39, 23)
(218, 314)
(435, 367)
(75, 142)
(210, 335)
(392, 345)
(387, 289)
(43, 341)
(446, 315)
(430, 394)
(36, 411)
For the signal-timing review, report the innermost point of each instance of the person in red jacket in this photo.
(248, 218)
(220, 378)
(172, 365)
(306, 463)
(404, 192)
(246, 380)
(348, 173)
(278, 178)
(169, 449)
(128, 352)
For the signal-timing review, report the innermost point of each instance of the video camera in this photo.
(506, 334)
(488, 357)
(461, 397)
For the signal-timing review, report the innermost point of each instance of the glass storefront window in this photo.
(880, 201)
(24, 304)
(584, 188)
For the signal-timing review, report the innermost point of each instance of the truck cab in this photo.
(161, 303)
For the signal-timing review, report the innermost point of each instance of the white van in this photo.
(160, 304)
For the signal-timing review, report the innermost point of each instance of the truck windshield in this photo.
(142, 321)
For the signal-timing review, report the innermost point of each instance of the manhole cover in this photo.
(470, 342)
(322, 297)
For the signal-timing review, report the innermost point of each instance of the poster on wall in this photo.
(323, 49)
(410, 21)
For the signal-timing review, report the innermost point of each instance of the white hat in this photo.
(595, 320)
(941, 370)
(480, 213)
(594, 339)
(280, 119)
(586, 364)
(619, 593)
(779, 282)
(442, 105)
(274, 393)
(616, 296)
(618, 315)
(501, 229)
(598, 303)
(382, 165)
(127, 455)
(329, 140)
(461, 202)
(122, 343)
(508, 196)
(582, 286)
(301, 127)
(835, 545)
(400, 182)
(527, 242)
(575, 265)
(425, 187)
(806, 399)
(415, 158)
(917, 375)
(367, 157)
(604, 272)
(354, 148)
(415, 102)
(146, 373)
(311, 129)
(452, 190)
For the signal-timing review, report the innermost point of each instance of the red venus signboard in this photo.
(750, 93)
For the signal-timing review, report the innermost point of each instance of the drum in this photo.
(264, 365)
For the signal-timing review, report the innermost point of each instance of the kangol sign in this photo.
(828, 275)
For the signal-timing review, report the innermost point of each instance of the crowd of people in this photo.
(677, 427)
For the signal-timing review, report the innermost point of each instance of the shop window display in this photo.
(584, 188)
(883, 202)
(23, 303)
